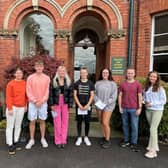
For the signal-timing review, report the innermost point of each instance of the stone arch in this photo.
(101, 15)
(9, 12)
(116, 11)
(62, 10)
(107, 17)
(27, 9)
(100, 26)
(94, 25)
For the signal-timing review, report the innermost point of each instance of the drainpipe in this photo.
(130, 33)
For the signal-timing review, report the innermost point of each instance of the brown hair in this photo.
(39, 62)
(84, 68)
(18, 69)
(130, 68)
(110, 78)
(148, 83)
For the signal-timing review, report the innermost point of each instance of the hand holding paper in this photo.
(82, 112)
(54, 114)
(99, 104)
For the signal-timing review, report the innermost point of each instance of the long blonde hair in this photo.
(57, 77)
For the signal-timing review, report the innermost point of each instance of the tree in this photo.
(27, 64)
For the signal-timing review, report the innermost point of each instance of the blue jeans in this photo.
(129, 117)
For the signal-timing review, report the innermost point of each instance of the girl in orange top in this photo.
(16, 102)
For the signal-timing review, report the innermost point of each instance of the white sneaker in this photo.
(30, 144)
(79, 141)
(151, 154)
(87, 141)
(44, 143)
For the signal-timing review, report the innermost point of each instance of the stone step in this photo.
(95, 130)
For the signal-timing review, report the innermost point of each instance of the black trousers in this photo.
(86, 119)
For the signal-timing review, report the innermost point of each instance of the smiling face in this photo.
(39, 68)
(83, 73)
(61, 71)
(153, 78)
(130, 74)
(18, 74)
(105, 74)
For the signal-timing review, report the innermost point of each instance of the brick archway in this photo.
(17, 11)
(92, 22)
(111, 16)
(112, 22)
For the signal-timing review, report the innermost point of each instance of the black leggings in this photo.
(79, 119)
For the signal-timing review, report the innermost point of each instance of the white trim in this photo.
(35, 4)
(161, 14)
(153, 35)
(10, 10)
(159, 54)
(116, 11)
(89, 2)
(163, 73)
(152, 44)
(60, 9)
(160, 34)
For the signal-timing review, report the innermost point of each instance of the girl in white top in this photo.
(155, 99)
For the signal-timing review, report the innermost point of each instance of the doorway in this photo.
(85, 53)
(89, 49)
(85, 58)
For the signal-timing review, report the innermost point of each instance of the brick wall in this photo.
(144, 9)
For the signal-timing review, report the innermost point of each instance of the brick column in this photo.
(63, 50)
(116, 47)
(7, 50)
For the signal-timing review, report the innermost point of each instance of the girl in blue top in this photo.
(155, 99)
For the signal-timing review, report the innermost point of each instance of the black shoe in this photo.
(63, 146)
(11, 150)
(106, 144)
(59, 146)
(17, 146)
(102, 140)
(124, 144)
(134, 148)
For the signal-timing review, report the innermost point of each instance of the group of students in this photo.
(35, 94)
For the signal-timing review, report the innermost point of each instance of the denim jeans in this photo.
(130, 121)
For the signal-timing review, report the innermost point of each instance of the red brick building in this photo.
(93, 33)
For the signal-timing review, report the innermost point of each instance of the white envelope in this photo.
(99, 104)
(82, 112)
(54, 114)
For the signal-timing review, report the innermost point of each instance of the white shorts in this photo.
(35, 112)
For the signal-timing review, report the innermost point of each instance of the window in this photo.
(37, 35)
(160, 45)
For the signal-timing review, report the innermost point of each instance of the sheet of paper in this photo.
(99, 104)
(54, 114)
(82, 112)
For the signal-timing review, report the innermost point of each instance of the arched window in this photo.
(36, 35)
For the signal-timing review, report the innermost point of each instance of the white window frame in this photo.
(152, 42)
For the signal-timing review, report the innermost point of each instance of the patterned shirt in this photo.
(83, 91)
